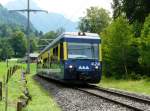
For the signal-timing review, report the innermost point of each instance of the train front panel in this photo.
(83, 70)
(82, 61)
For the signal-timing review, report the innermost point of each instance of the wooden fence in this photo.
(0, 91)
(23, 99)
(10, 72)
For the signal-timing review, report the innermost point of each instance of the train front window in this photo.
(82, 51)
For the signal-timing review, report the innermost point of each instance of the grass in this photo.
(3, 68)
(139, 86)
(41, 100)
(14, 86)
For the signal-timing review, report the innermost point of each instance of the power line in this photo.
(72, 15)
(28, 11)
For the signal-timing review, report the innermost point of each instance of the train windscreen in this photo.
(83, 51)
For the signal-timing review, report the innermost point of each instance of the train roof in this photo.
(81, 35)
(72, 35)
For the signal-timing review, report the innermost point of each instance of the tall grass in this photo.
(41, 100)
(137, 86)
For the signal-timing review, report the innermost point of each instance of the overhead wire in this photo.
(66, 23)
(44, 24)
(57, 23)
(70, 18)
(23, 4)
(74, 14)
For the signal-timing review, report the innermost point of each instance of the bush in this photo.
(134, 76)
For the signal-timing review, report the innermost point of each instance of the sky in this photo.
(72, 9)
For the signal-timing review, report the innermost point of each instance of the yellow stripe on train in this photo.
(65, 50)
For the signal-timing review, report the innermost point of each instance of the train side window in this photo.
(55, 53)
(45, 63)
(39, 64)
(61, 51)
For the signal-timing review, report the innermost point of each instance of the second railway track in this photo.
(128, 100)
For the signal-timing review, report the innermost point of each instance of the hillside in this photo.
(43, 21)
(12, 18)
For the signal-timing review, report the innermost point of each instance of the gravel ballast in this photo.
(122, 99)
(70, 99)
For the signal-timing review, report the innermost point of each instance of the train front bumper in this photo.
(85, 71)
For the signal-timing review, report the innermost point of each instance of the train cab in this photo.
(72, 57)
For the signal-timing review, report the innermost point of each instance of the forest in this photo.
(125, 38)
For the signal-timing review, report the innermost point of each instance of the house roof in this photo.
(34, 55)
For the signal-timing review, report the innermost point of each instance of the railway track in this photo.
(130, 101)
(71, 99)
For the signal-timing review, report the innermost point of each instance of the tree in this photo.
(33, 45)
(50, 35)
(135, 10)
(59, 31)
(144, 47)
(96, 20)
(40, 33)
(117, 8)
(5, 30)
(45, 39)
(118, 57)
(18, 43)
(6, 50)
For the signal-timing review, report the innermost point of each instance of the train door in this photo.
(56, 62)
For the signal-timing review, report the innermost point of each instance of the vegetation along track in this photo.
(131, 101)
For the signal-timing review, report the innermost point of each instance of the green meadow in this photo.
(41, 100)
(136, 86)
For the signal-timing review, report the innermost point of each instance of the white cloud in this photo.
(72, 9)
(4, 1)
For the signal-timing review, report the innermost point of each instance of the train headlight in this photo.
(96, 67)
(70, 66)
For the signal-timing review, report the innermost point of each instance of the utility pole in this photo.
(28, 11)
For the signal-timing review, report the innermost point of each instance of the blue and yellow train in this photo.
(72, 57)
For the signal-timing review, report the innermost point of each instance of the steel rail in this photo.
(140, 99)
(92, 87)
(111, 100)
